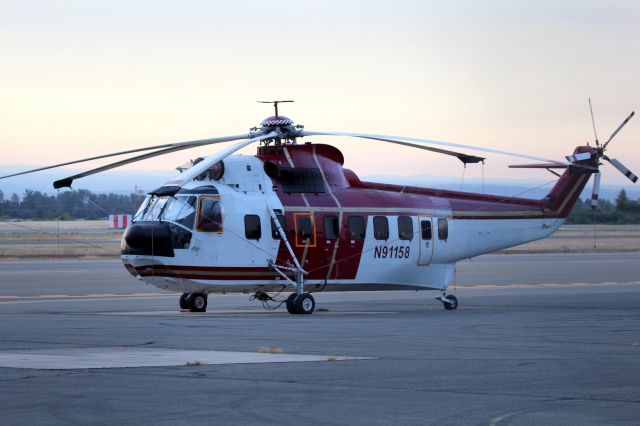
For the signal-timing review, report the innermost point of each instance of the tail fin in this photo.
(565, 192)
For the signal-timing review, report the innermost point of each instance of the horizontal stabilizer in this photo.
(578, 157)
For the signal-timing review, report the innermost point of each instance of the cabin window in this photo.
(305, 227)
(443, 229)
(405, 228)
(209, 215)
(380, 228)
(331, 228)
(252, 229)
(357, 228)
(283, 224)
(425, 228)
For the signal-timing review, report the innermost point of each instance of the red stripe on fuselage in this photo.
(206, 272)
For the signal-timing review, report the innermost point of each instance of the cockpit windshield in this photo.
(142, 207)
(179, 209)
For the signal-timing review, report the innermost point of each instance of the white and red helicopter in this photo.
(292, 218)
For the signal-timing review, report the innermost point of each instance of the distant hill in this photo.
(518, 188)
(123, 182)
(117, 182)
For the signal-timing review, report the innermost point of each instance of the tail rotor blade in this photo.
(596, 190)
(626, 120)
(628, 173)
(593, 122)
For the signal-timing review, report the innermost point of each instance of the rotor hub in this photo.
(276, 120)
(284, 127)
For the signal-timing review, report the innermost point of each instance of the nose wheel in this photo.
(194, 302)
(300, 304)
(450, 302)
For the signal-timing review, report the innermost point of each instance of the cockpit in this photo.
(179, 209)
(167, 219)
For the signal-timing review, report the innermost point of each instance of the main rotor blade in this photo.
(209, 161)
(539, 166)
(626, 120)
(596, 190)
(593, 122)
(131, 151)
(465, 158)
(618, 165)
(66, 182)
(427, 141)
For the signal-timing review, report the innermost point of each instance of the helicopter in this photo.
(293, 219)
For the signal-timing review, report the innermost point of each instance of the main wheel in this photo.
(290, 303)
(453, 303)
(184, 304)
(304, 304)
(197, 302)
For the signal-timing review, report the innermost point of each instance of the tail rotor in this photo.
(599, 153)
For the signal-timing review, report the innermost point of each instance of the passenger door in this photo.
(426, 240)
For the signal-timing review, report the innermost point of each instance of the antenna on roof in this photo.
(275, 104)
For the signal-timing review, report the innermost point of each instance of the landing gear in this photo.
(449, 301)
(290, 303)
(300, 304)
(195, 302)
(183, 301)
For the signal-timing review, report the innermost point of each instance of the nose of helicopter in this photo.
(147, 238)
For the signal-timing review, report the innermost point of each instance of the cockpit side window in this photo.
(209, 214)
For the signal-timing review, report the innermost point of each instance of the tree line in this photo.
(66, 205)
(621, 211)
(83, 204)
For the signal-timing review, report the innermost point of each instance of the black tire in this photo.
(197, 302)
(305, 304)
(454, 303)
(291, 308)
(184, 304)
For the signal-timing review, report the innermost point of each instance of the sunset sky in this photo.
(80, 78)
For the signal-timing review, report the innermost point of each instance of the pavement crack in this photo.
(17, 379)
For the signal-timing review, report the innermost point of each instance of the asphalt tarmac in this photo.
(537, 339)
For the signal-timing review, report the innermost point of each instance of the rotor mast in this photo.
(275, 104)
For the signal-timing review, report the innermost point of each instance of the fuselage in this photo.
(346, 234)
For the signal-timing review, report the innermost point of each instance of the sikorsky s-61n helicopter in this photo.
(292, 218)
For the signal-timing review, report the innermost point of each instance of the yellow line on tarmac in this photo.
(86, 296)
(550, 285)
(74, 299)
